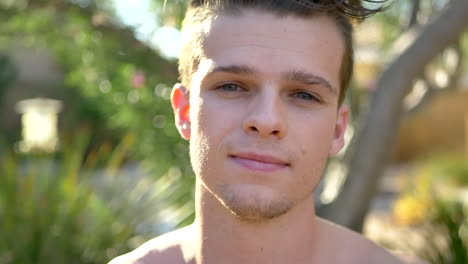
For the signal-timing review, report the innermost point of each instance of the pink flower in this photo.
(138, 79)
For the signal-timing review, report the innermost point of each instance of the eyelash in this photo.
(222, 86)
(295, 94)
(311, 97)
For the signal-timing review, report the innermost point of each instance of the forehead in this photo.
(272, 44)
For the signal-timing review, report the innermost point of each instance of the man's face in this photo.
(264, 115)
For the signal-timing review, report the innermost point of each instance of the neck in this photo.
(221, 235)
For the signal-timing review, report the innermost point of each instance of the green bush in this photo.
(50, 211)
(435, 205)
(453, 170)
(446, 235)
(112, 81)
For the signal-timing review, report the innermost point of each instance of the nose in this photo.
(266, 116)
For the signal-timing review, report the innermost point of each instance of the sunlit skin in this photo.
(262, 118)
(264, 114)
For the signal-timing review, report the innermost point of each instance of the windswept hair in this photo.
(351, 8)
(341, 11)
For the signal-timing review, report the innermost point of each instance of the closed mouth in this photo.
(259, 162)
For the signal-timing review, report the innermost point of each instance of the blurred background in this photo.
(91, 165)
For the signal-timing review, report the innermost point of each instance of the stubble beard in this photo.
(250, 208)
(254, 209)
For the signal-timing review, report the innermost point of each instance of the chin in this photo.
(254, 204)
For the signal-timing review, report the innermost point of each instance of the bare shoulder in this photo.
(356, 248)
(166, 248)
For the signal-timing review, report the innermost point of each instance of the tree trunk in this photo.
(376, 139)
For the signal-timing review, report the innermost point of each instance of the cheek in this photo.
(199, 146)
(208, 131)
(205, 122)
(309, 172)
(314, 134)
(313, 142)
(215, 119)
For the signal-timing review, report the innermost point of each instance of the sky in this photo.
(137, 14)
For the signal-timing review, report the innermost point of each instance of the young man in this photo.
(261, 103)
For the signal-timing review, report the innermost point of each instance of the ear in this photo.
(181, 106)
(338, 140)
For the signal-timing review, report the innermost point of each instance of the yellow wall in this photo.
(438, 126)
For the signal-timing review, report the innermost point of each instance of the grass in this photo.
(50, 211)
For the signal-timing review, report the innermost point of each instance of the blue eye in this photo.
(230, 87)
(305, 96)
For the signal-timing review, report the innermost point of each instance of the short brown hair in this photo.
(200, 11)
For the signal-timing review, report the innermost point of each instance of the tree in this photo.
(365, 159)
(377, 136)
(103, 59)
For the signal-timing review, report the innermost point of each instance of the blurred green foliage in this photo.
(51, 212)
(115, 83)
(7, 73)
(446, 235)
(441, 176)
(434, 203)
(451, 170)
(442, 169)
(119, 86)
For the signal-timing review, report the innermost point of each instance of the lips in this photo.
(259, 162)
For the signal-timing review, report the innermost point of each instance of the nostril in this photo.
(252, 128)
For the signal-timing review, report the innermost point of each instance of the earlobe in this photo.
(338, 140)
(181, 106)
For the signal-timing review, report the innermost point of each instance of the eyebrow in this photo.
(294, 75)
